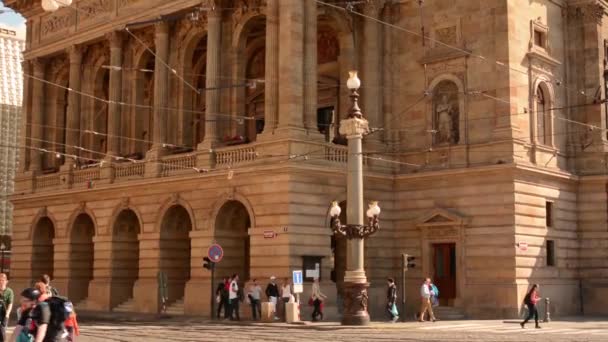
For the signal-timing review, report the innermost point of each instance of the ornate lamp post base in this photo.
(355, 304)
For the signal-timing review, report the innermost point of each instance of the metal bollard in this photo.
(547, 313)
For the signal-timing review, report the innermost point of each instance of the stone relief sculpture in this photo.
(446, 113)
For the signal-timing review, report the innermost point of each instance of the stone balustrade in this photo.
(129, 170)
(337, 154)
(86, 175)
(176, 164)
(235, 155)
(47, 181)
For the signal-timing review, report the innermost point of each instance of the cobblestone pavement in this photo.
(461, 331)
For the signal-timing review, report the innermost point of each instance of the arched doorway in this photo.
(175, 250)
(338, 251)
(42, 248)
(125, 256)
(81, 257)
(231, 231)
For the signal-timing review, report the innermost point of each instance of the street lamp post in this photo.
(355, 281)
(2, 249)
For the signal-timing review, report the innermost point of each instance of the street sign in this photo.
(269, 234)
(215, 252)
(298, 282)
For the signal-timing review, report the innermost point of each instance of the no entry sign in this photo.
(215, 253)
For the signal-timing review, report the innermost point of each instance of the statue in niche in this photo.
(446, 113)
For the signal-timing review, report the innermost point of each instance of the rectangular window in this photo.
(539, 39)
(549, 213)
(311, 266)
(550, 253)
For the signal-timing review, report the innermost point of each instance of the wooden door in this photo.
(444, 265)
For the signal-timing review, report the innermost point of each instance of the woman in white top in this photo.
(317, 300)
(285, 296)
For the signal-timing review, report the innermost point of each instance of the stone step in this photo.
(128, 306)
(176, 308)
(448, 313)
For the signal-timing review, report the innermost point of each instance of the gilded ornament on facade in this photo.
(91, 8)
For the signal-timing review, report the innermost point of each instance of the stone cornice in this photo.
(97, 30)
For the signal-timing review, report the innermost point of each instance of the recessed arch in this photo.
(43, 252)
(126, 228)
(542, 116)
(81, 256)
(175, 249)
(231, 230)
(456, 91)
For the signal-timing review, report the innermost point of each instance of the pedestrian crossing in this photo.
(512, 328)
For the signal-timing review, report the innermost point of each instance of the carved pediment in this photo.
(441, 217)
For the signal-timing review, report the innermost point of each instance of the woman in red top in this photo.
(530, 300)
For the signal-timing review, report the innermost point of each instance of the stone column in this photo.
(26, 118)
(212, 99)
(73, 113)
(370, 67)
(271, 90)
(310, 66)
(161, 82)
(37, 115)
(291, 65)
(115, 93)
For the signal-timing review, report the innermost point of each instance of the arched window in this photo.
(543, 117)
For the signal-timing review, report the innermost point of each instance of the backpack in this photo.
(435, 290)
(61, 308)
(527, 299)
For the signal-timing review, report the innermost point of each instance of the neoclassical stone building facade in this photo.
(152, 129)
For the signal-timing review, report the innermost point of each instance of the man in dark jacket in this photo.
(272, 292)
(391, 298)
(223, 296)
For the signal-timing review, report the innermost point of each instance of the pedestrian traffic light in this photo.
(208, 264)
(408, 261)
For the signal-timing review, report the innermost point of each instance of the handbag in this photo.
(393, 310)
(311, 301)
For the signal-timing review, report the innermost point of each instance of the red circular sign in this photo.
(215, 253)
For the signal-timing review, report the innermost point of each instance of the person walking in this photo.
(50, 290)
(531, 299)
(285, 297)
(317, 298)
(222, 295)
(7, 298)
(255, 293)
(35, 322)
(391, 299)
(425, 296)
(233, 298)
(272, 292)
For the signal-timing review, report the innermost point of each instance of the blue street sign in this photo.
(298, 279)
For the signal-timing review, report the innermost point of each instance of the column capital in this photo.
(213, 8)
(162, 27)
(373, 8)
(39, 66)
(116, 39)
(75, 52)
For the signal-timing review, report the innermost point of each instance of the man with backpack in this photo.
(6, 305)
(42, 321)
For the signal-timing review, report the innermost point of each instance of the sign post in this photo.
(215, 253)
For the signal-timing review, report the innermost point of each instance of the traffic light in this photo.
(408, 261)
(208, 264)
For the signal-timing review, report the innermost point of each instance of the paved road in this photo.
(461, 331)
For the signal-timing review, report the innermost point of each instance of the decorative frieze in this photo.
(593, 11)
(126, 3)
(56, 22)
(88, 9)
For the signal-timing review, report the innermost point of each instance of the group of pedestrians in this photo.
(37, 317)
(229, 296)
(429, 294)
